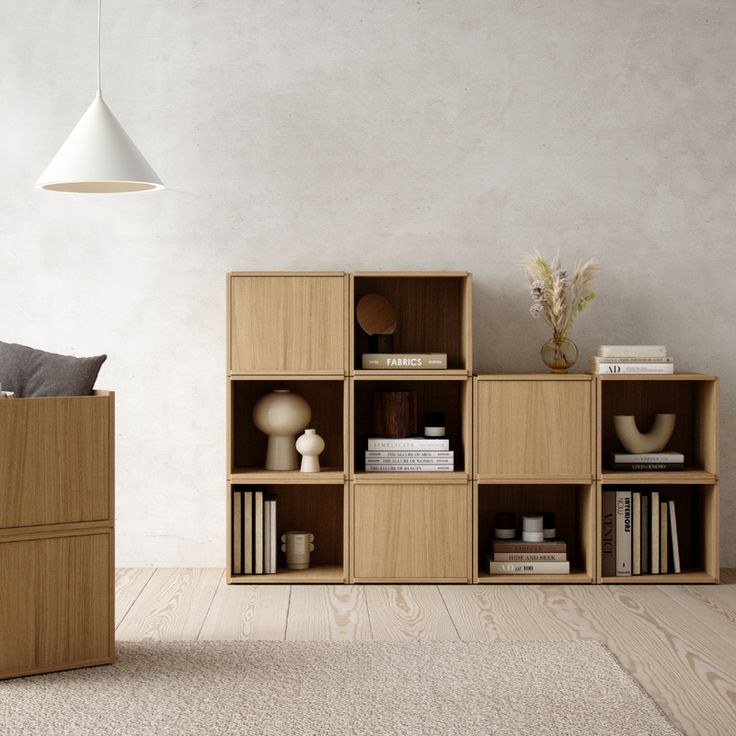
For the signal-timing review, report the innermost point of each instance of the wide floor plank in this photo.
(247, 612)
(408, 612)
(490, 612)
(173, 605)
(714, 607)
(335, 612)
(129, 582)
(657, 642)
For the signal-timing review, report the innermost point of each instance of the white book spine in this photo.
(410, 443)
(409, 460)
(380, 454)
(267, 537)
(374, 468)
(633, 368)
(632, 351)
(663, 547)
(529, 557)
(675, 541)
(528, 568)
(623, 533)
(649, 457)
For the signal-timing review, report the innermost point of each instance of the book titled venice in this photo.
(405, 361)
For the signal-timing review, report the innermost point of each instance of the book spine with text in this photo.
(397, 454)
(408, 460)
(425, 468)
(529, 547)
(608, 551)
(646, 467)
(405, 361)
(408, 443)
(529, 557)
(528, 568)
(632, 368)
(623, 533)
(636, 532)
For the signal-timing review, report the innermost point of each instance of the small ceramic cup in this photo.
(297, 546)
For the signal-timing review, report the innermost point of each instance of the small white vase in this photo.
(281, 415)
(310, 445)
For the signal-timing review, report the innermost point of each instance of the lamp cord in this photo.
(99, 26)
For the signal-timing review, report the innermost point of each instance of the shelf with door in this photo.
(318, 507)
(535, 452)
(280, 322)
(410, 530)
(534, 427)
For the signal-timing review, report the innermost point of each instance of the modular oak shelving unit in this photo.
(298, 331)
(693, 397)
(522, 442)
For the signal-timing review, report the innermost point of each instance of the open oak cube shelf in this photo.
(692, 397)
(453, 397)
(696, 507)
(328, 400)
(575, 518)
(317, 508)
(433, 315)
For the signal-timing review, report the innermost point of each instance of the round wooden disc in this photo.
(376, 315)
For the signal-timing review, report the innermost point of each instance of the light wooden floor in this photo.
(679, 642)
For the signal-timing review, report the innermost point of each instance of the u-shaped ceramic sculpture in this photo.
(655, 440)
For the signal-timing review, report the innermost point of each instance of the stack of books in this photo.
(516, 557)
(639, 534)
(646, 461)
(254, 532)
(409, 455)
(631, 359)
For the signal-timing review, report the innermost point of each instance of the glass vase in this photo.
(559, 353)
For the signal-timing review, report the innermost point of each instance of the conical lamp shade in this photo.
(99, 157)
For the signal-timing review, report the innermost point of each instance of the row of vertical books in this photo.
(639, 534)
(254, 532)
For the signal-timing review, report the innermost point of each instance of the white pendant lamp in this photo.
(99, 157)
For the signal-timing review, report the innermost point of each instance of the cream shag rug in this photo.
(295, 688)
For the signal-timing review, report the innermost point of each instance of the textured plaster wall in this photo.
(346, 135)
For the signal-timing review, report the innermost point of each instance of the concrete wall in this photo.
(346, 135)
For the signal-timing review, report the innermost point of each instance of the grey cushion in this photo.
(30, 372)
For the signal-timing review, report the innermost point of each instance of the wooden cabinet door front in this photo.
(535, 429)
(411, 532)
(56, 603)
(287, 323)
